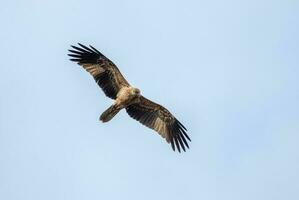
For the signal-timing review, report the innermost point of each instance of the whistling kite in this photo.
(115, 86)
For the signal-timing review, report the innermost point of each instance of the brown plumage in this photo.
(115, 86)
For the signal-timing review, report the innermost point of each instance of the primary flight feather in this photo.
(115, 86)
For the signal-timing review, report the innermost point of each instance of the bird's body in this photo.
(126, 96)
(115, 86)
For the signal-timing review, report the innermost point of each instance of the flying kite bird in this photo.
(115, 86)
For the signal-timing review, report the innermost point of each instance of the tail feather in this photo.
(109, 113)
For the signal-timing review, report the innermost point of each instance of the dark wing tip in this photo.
(181, 125)
(83, 54)
(74, 60)
(172, 143)
(182, 129)
(95, 50)
(84, 47)
(178, 136)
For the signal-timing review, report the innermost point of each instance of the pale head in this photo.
(136, 91)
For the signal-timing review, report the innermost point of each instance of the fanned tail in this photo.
(109, 113)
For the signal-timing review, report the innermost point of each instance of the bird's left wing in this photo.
(104, 71)
(161, 120)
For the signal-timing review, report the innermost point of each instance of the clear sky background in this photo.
(228, 70)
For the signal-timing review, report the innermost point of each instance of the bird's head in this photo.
(136, 91)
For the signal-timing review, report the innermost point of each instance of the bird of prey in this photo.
(115, 86)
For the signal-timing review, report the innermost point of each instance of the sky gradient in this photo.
(228, 70)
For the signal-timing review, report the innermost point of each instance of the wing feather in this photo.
(161, 120)
(104, 71)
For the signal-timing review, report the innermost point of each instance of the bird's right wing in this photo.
(104, 71)
(161, 120)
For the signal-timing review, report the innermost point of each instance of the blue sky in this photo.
(228, 70)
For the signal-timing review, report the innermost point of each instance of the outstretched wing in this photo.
(105, 72)
(161, 120)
